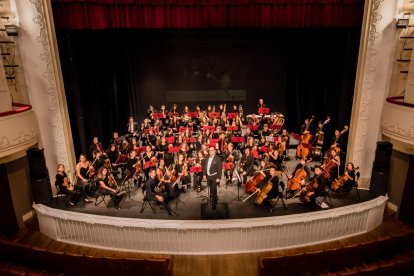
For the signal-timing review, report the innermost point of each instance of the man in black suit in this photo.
(212, 170)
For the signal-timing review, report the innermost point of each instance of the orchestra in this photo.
(180, 146)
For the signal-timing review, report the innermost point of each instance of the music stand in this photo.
(177, 199)
(237, 140)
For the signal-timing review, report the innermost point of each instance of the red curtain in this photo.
(104, 14)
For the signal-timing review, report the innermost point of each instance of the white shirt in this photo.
(210, 160)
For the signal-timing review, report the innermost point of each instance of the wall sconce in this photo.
(11, 30)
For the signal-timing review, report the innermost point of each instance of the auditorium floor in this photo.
(231, 204)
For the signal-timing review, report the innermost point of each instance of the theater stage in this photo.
(230, 204)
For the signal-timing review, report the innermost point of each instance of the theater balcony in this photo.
(18, 132)
(397, 124)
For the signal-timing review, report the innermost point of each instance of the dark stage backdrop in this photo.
(112, 74)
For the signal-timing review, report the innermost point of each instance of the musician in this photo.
(150, 111)
(197, 176)
(306, 127)
(175, 124)
(273, 155)
(337, 140)
(132, 162)
(222, 144)
(104, 187)
(115, 140)
(151, 139)
(350, 172)
(247, 164)
(174, 109)
(230, 158)
(82, 170)
(182, 170)
(98, 161)
(159, 197)
(212, 171)
(62, 181)
(266, 131)
(261, 104)
(163, 176)
(285, 140)
(132, 127)
(148, 158)
(321, 186)
(332, 164)
(113, 154)
(274, 191)
(95, 146)
(134, 145)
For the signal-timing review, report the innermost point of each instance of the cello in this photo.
(304, 148)
(334, 146)
(251, 185)
(337, 183)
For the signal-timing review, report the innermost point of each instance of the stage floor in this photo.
(191, 205)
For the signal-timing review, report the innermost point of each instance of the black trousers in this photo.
(211, 182)
(115, 198)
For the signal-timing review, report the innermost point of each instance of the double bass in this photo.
(334, 146)
(317, 151)
(304, 148)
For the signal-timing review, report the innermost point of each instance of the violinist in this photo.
(116, 140)
(151, 139)
(272, 192)
(149, 160)
(134, 145)
(274, 157)
(95, 146)
(113, 154)
(63, 183)
(132, 127)
(98, 161)
(151, 194)
(246, 164)
(162, 175)
(104, 188)
(230, 158)
(84, 171)
(222, 144)
(182, 170)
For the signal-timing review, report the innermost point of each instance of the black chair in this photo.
(100, 197)
(62, 197)
(280, 196)
(326, 197)
(146, 201)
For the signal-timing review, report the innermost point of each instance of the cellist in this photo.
(298, 178)
(316, 186)
(267, 193)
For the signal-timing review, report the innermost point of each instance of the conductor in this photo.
(212, 170)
